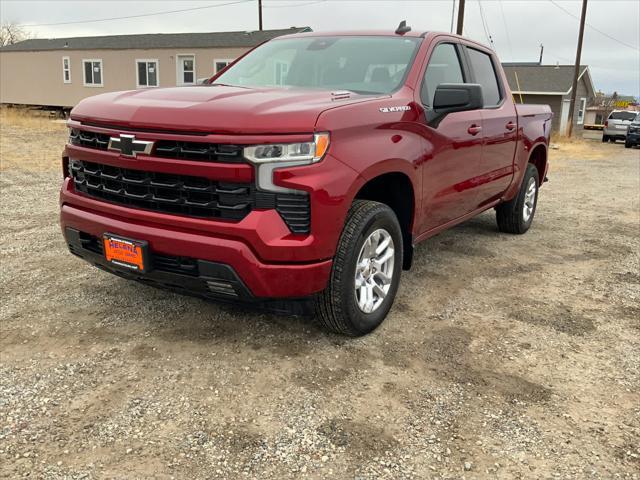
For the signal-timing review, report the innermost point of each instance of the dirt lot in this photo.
(503, 357)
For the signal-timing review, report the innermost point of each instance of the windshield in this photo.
(622, 116)
(359, 64)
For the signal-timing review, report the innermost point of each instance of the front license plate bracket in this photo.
(126, 253)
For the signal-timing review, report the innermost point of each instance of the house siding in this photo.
(35, 77)
(555, 102)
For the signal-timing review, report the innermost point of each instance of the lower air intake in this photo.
(221, 288)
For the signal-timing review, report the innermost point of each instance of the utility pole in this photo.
(576, 71)
(541, 51)
(260, 15)
(460, 17)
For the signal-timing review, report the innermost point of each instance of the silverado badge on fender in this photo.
(401, 108)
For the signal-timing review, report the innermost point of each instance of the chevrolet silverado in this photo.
(303, 174)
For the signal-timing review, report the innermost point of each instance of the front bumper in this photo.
(269, 258)
(255, 279)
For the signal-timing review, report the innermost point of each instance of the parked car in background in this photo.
(633, 133)
(306, 170)
(616, 125)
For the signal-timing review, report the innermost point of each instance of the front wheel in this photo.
(516, 215)
(627, 144)
(365, 273)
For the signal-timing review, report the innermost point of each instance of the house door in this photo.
(564, 117)
(186, 70)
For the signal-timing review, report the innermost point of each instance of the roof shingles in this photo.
(540, 78)
(154, 40)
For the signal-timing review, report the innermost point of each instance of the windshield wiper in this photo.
(365, 92)
(225, 85)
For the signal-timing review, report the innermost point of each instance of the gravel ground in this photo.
(503, 357)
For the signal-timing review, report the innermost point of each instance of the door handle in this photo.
(474, 129)
(510, 126)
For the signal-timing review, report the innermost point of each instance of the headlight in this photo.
(283, 155)
(301, 153)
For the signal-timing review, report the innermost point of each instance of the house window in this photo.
(66, 70)
(92, 72)
(186, 66)
(581, 110)
(146, 73)
(218, 65)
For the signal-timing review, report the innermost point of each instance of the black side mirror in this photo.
(457, 97)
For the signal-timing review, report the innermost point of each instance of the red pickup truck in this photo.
(304, 173)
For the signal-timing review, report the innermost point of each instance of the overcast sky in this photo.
(516, 27)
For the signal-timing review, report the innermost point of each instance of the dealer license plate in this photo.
(125, 252)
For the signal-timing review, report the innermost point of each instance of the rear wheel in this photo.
(627, 144)
(516, 215)
(365, 273)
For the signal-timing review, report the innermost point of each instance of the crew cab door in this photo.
(453, 144)
(499, 127)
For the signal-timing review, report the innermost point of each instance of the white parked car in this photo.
(616, 125)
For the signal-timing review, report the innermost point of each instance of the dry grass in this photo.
(28, 118)
(580, 148)
(30, 140)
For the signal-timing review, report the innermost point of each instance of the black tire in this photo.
(627, 144)
(337, 309)
(510, 215)
(612, 139)
(605, 138)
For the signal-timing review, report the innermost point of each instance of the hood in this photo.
(213, 109)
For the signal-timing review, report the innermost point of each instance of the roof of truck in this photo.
(359, 33)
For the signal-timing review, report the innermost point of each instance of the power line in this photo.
(506, 29)
(485, 26)
(295, 4)
(453, 13)
(166, 12)
(594, 28)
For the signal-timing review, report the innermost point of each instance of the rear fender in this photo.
(523, 155)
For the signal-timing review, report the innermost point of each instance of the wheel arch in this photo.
(538, 157)
(396, 190)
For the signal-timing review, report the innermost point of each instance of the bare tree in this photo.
(11, 33)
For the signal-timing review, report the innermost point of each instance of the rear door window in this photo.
(485, 75)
